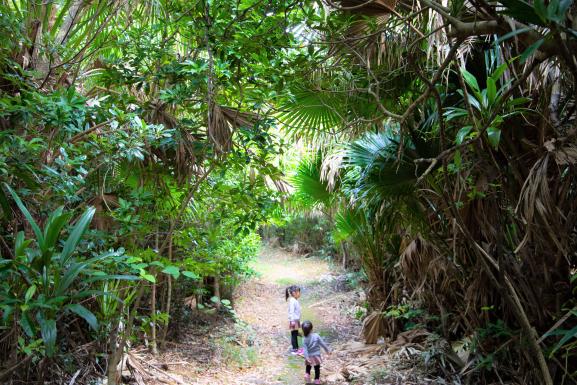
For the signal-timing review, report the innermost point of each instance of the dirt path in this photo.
(261, 303)
(212, 350)
(255, 351)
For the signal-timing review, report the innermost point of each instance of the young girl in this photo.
(292, 295)
(312, 351)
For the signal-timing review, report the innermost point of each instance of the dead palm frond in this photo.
(223, 121)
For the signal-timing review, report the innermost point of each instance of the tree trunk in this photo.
(168, 293)
(217, 290)
(117, 352)
(153, 348)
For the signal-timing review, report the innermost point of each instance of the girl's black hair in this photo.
(307, 327)
(290, 290)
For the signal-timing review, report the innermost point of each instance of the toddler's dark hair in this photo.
(290, 290)
(307, 327)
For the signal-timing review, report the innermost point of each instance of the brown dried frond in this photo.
(222, 123)
(374, 327)
(537, 206)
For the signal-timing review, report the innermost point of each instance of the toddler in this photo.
(312, 344)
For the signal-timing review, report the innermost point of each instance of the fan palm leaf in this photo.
(310, 189)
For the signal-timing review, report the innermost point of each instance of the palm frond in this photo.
(311, 190)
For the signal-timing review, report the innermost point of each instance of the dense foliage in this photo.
(137, 159)
(448, 131)
(140, 152)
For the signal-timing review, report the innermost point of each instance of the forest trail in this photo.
(258, 353)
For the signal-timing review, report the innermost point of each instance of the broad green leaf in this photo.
(462, 133)
(84, 313)
(522, 11)
(540, 9)
(470, 80)
(76, 234)
(73, 271)
(7, 311)
(52, 229)
(191, 275)
(172, 270)
(225, 302)
(27, 215)
(30, 293)
(564, 6)
(474, 102)
(20, 244)
(491, 90)
(494, 136)
(214, 299)
(26, 324)
(499, 71)
(148, 277)
(48, 332)
(454, 113)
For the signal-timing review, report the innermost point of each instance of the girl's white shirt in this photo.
(294, 309)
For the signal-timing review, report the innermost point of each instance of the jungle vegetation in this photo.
(145, 145)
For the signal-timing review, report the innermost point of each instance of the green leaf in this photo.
(457, 159)
(494, 136)
(27, 215)
(7, 311)
(470, 80)
(48, 332)
(20, 244)
(454, 113)
(73, 271)
(76, 234)
(225, 302)
(474, 102)
(148, 277)
(531, 49)
(52, 229)
(29, 293)
(522, 11)
(540, 9)
(26, 324)
(567, 335)
(564, 6)
(172, 270)
(462, 133)
(512, 34)
(214, 299)
(191, 275)
(491, 90)
(499, 71)
(84, 313)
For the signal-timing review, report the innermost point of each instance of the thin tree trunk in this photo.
(168, 293)
(118, 351)
(217, 290)
(153, 347)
